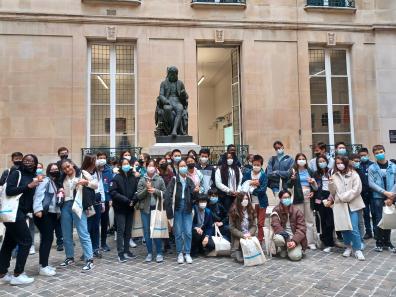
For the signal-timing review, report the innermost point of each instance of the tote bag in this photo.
(388, 221)
(9, 204)
(342, 219)
(222, 245)
(159, 221)
(252, 253)
(137, 226)
(77, 206)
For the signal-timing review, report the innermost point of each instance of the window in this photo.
(235, 3)
(111, 95)
(331, 3)
(331, 112)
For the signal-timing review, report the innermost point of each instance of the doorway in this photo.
(218, 80)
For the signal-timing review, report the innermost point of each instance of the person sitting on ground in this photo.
(289, 228)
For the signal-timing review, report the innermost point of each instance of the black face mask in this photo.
(64, 157)
(17, 163)
(141, 161)
(191, 165)
(317, 155)
(55, 174)
(30, 168)
(163, 165)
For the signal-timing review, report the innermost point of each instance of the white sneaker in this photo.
(359, 256)
(132, 244)
(180, 258)
(6, 279)
(115, 236)
(32, 250)
(188, 259)
(312, 246)
(46, 271)
(51, 267)
(347, 252)
(21, 279)
(327, 249)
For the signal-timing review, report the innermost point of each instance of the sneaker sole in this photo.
(21, 284)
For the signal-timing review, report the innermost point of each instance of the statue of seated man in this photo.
(171, 115)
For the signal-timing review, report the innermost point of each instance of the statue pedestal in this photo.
(173, 139)
(168, 143)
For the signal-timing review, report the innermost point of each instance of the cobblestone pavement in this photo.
(318, 274)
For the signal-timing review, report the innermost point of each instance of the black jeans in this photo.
(104, 224)
(227, 201)
(124, 229)
(382, 236)
(196, 243)
(327, 225)
(58, 232)
(16, 234)
(46, 225)
(93, 227)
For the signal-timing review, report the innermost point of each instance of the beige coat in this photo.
(346, 192)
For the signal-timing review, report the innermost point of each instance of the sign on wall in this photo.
(392, 136)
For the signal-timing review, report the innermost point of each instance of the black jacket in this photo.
(123, 191)
(12, 189)
(189, 195)
(6, 173)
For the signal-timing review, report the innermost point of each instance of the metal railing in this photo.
(220, 1)
(216, 151)
(351, 149)
(111, 152)
(332, 3)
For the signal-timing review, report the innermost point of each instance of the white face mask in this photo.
(202, 205)
(256, 169)
(128, 158)
(151, 170)
(301, 162)
(203, 160)
(230, 162)
(100, 162)
(245, 202)
(341, 166)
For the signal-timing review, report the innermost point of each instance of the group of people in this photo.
(322, 201)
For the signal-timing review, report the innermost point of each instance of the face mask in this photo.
(286, 201)
(54, 174)
(322, 165)
(380, 157)
(151, 170)
(169, 161)
(39, 171)
(342, 151)
(29, 168)
(204, 160)
(191, 165)
(256, 169)
(17, 163)
(214, 200)
(317, 155)
(280, 152)
(356, 165)
(126, 168)
(141, 161)
(364, 159)
(63, 157)
(245, 203)
(301, 162)
(230, 162)
(202, 205)
(128, 158)
(177, 159)
(183, 170)
(100, 162)
(341, 167)
(163, 165)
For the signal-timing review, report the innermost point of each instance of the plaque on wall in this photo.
(392, 136)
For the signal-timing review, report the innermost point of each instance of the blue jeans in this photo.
(93, 227)
(68, 217)
(353, 236)
(367, 198)
(183, 229)
(382, 236)
(146, 231)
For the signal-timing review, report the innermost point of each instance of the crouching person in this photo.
(289, 228)
(242, 224)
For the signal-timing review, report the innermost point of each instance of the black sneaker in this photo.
(106, 248)
(97, 254)
(59, 248)
(368, 236)
(121, 258)
(67, 262)
(378, 249)
(129, 255)
(89, 265)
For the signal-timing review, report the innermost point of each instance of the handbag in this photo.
(222, 245)
(170, 221)
(342, 218)
(77, 206)
(159, 221)
(388, 221)
(252, 253)
(48, 197)
(268, 237)
(9, 204)
(137, 225)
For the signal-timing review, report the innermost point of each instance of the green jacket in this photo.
(144, 196)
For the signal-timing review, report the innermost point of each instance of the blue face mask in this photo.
(126, 168)
(280, 152)
(356, 165)
(286, 201)
(380, 157)
(177, 159)
(364, 159)
(183, 170)
(214, 200)
(39, 171)
(342, 151)
(322, 165)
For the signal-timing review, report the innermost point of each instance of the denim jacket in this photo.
(376, 181)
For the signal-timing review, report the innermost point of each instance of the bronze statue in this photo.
(171, 115)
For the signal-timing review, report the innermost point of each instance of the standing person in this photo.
(303, 184)
(122, 191)
(258, 180)
(195, 175)
(278, 168)
(242, 224)
(165, 171)
(16, 159)
(185, 195)
(17, 233)
(192, 154)
(63, 154)
(168, 157)
(72, 179)
(176, 158)
(231, 149)
(46, 216)
(323, 203)
(141, 165)
(320, 149)
(206, 169)
(93, 222)
(382, 181)
(150, 189)
(341, 149)
(345, 186)
(248, 164)
(367, 193)
(228, 179)
(106, 174)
